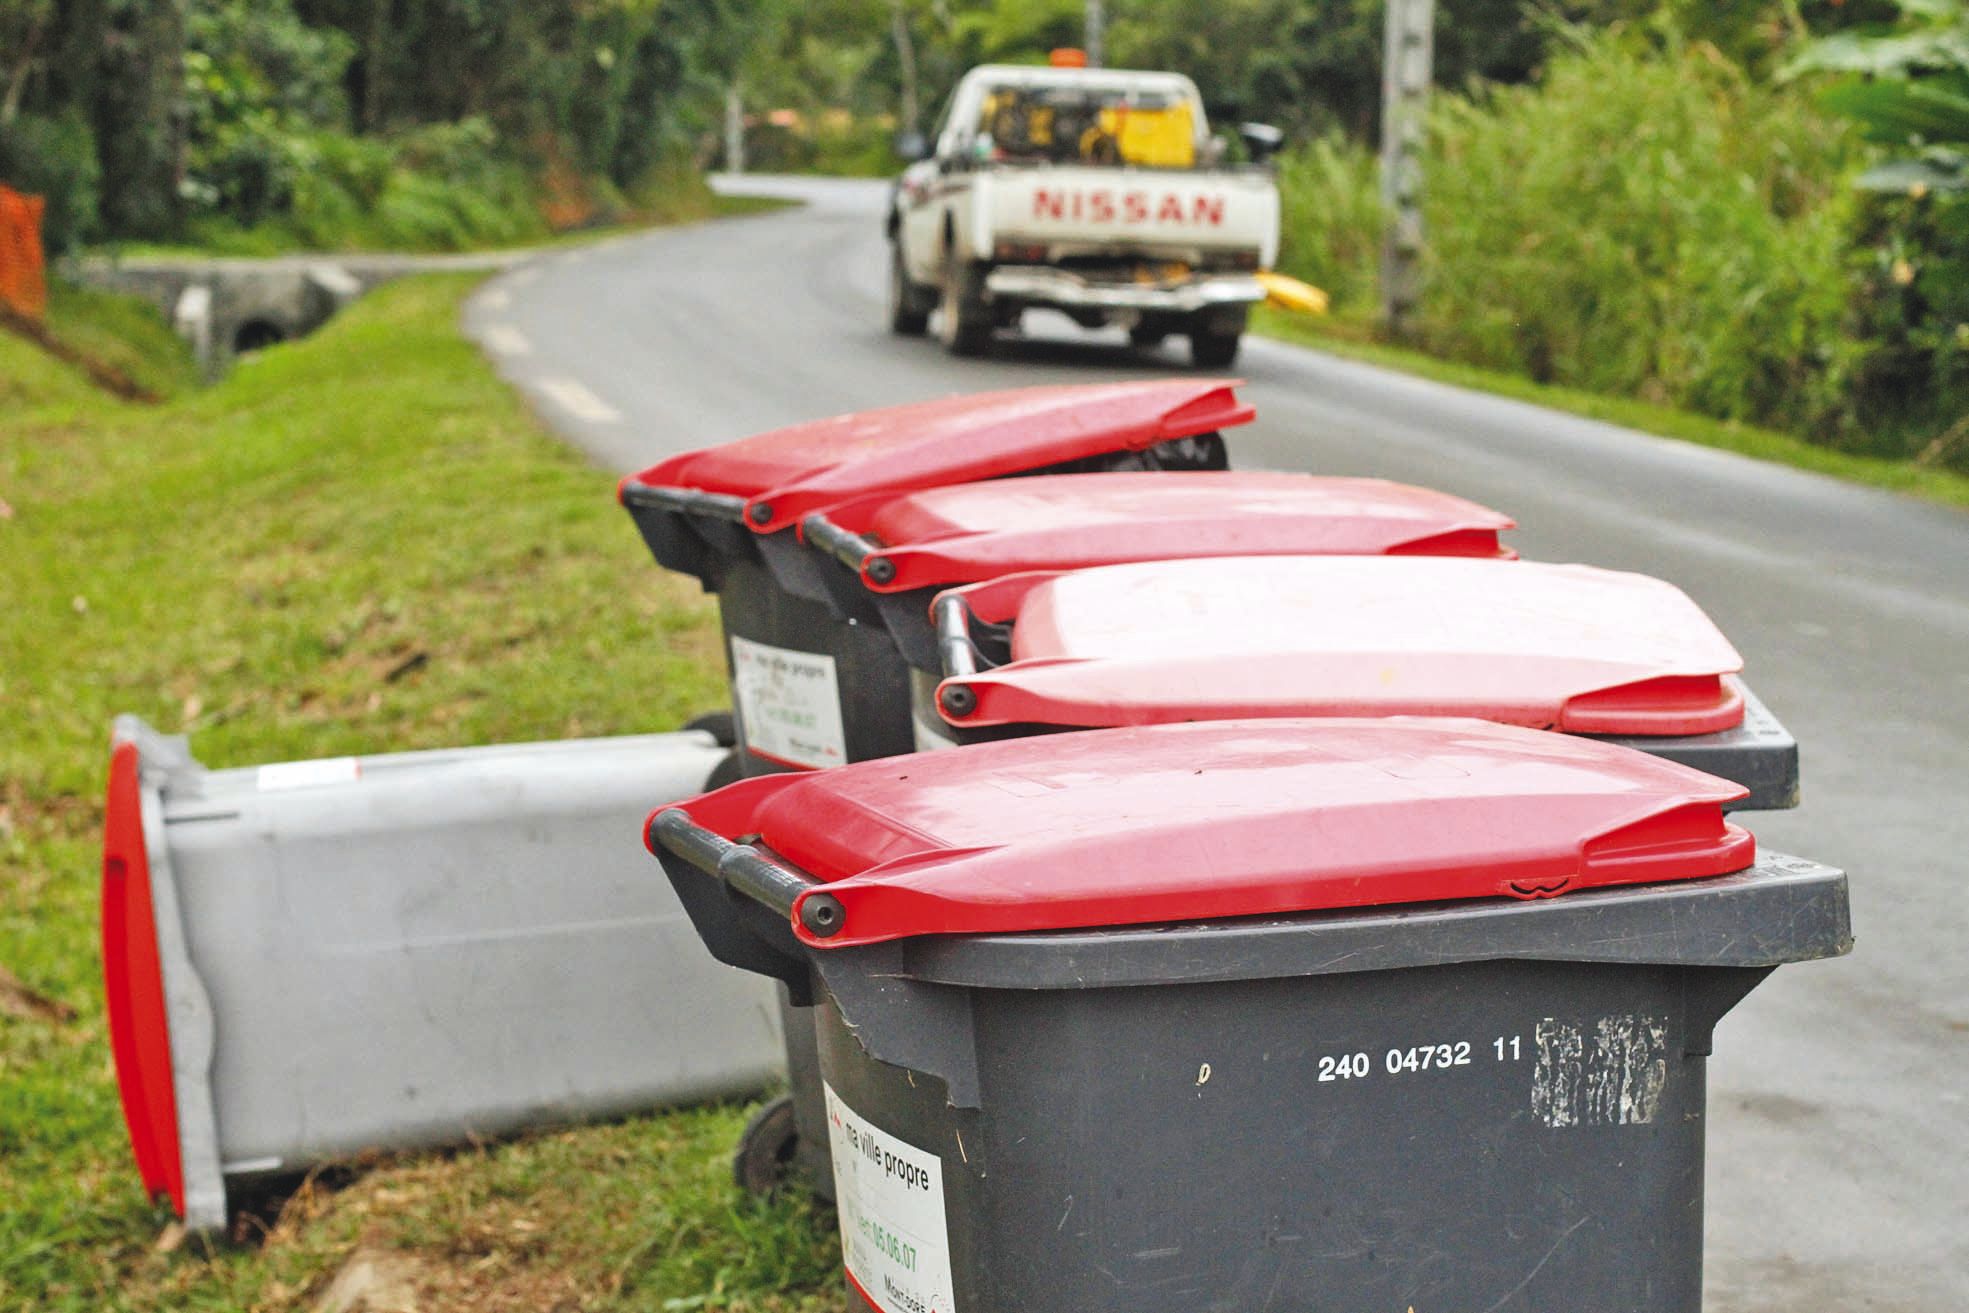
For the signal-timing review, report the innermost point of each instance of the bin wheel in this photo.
(729, 770)
(766, 1146)
(720, 725)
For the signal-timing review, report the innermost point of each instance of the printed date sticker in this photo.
(889, 1197)
(789, 703)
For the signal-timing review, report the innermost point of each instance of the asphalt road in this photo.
(1839, 1138)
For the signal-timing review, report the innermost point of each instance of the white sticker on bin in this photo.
(789, 704)
(888, 1196)
(307, 774)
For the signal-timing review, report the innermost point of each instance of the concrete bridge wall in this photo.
(225, 308)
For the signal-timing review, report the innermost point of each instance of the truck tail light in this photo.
(1020, 253)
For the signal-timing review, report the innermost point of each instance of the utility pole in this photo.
(734, 129)
(1407, 68)
(1096, 32)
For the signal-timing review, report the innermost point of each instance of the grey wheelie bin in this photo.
(1302, 1015)
(813, 686)
(1569, 647)
(310, 960)
(811, 689)
(885, 557)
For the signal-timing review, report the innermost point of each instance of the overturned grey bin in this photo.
(310, 960)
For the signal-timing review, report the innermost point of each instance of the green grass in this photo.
(124, 333)
(247, 563)
(1343, 338)
(123, 340)
(30, 380)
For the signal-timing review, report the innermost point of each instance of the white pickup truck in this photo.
(1098, 192)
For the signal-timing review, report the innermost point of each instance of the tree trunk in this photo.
(906, 62)
(172, 92)
(10, 105)
(374, 63)
(1951, 439)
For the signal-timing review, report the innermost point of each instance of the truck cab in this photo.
(1097, 192)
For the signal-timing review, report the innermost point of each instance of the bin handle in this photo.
(954, 646)
(844, 545)
(712, 505)
(745, 870)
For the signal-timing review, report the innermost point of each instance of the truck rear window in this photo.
(1088, 125)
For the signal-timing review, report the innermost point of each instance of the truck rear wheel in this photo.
(1214, 348)
(966, 326)
(910, 302)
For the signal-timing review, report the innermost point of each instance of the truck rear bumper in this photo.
(1059, 287)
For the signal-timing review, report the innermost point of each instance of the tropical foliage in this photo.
(1651, 218)
(1907, 85)
(416, 122)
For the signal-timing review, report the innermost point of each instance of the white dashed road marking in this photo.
(578, 401)
(507, 340)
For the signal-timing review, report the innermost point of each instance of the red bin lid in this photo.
(1226, 818)
(786, 474)
(133, 986)
(1565, 647)
(973, 531)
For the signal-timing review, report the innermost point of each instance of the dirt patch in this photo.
(17, 1000)
(376, 1281)
(32, 815)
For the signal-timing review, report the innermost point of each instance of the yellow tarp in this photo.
(1154, 138)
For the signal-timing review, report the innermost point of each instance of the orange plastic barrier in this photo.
(23, 268)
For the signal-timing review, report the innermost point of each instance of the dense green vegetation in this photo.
(1651, 218)
(216, 564)
(426, 124)
(1307, 65)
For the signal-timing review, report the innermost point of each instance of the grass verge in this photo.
(118, 343)
(1341, 338)
(259, 564)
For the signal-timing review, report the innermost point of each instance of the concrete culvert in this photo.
(257, 334)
